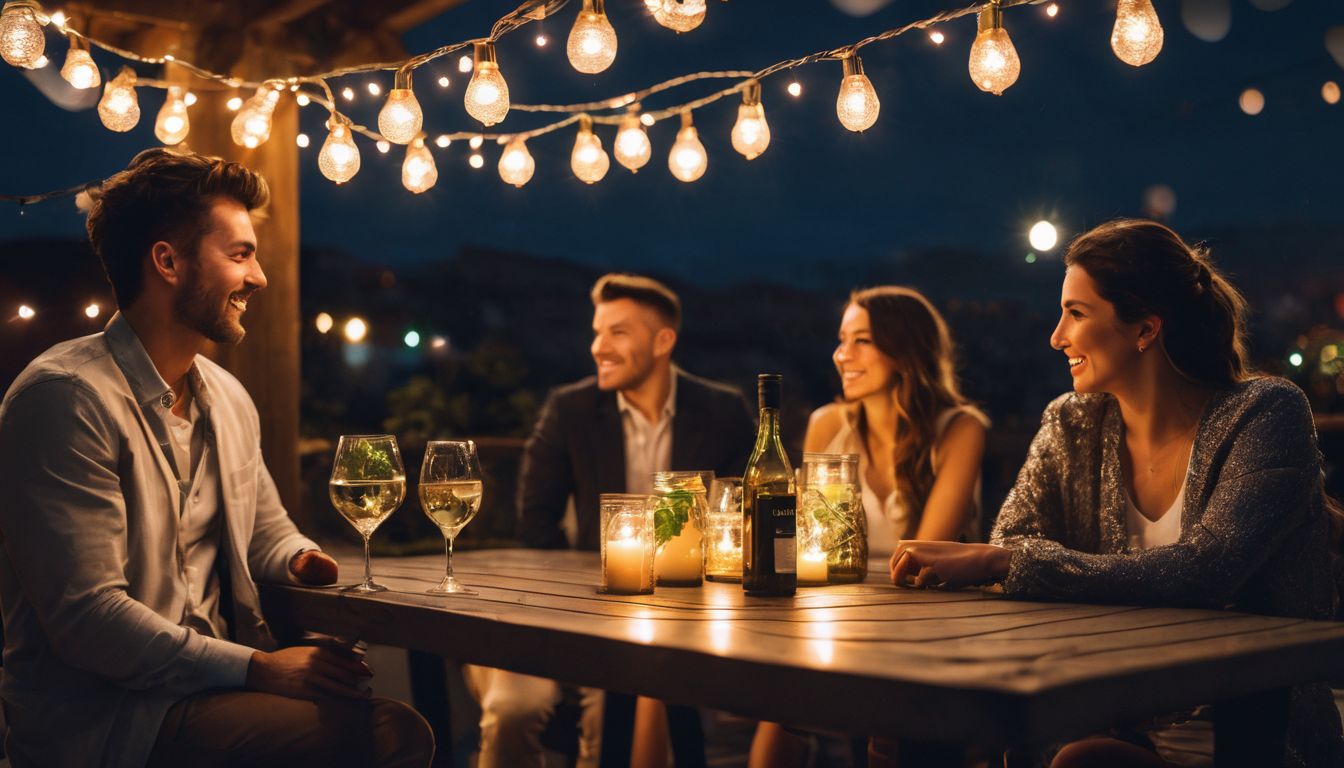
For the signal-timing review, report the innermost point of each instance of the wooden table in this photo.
(862, 659)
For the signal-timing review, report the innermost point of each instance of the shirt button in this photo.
(167, 400)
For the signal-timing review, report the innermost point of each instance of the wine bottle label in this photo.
(779, 517)
(786, 555)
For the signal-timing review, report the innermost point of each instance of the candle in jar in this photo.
(625, 565)
(811, 566)
(834, 493)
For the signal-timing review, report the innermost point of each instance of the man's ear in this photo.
(664, 341)
(166, 262)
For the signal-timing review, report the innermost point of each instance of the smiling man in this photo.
(608, 433)
(138, 512)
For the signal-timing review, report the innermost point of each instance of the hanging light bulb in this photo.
(21, 38)
(687, 160)
(251, 127)
(588, 159)
(119, 109)
(400, 119)
(751, 133)
(592, 40)
(417, 170)
(632, 146)
(516, 165)
(171, 125)
(339, 158)
(857, 105)
(1137, 36)
(79, 70)
(487, 96)
(678, 15)
(994, 65)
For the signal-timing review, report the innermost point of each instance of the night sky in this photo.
(1078, 140)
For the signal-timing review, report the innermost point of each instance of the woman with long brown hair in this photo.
(918, 439)
(1171, 476)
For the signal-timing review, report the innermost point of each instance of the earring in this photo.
(1143, 348)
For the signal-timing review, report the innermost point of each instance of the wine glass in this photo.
(450, 494)
(367, 484)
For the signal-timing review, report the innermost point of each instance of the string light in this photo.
(795, 89)
(339, 158)
(418, 172)
(937, 38)
(632, 147)
(401, 119)
(646, 119)
(464, 64)
(476, 142)
(444, 82)
(588, 160)
(1052, 10)
(443, 141)
(751, 133)
(348, 93)
(302, 140)
(487, 97)
(324, 322)
(375, 90)
(26, 312)
(516, 165)
(678, 15)
(857, 105)
(383, 145)
(994, 64)
(592, 39)
(541, 41)
(58, 18)
(234, 104)
(355, 330)
(119, 109)
(687, 160)
(92, 311)
(79, 70)
(1137, 36)
(476, 160)
(190, 100)
(172, 124)
(251, 127)
(21, 38)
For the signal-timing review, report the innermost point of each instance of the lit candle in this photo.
(625, 565)
(812, 567)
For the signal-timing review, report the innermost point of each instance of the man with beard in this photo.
(608, 434)
(138, 511)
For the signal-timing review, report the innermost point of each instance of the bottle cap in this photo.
(769, 389)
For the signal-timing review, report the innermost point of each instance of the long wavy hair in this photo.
(908, 329)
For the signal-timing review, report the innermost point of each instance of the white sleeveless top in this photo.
(1145, 533)
(889, 520)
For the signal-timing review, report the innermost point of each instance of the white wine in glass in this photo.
(367, 484)
(450, 495)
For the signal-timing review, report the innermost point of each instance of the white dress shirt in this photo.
(648, 445)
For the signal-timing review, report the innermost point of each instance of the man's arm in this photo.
(545, 481)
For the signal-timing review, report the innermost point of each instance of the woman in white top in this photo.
(919, 441)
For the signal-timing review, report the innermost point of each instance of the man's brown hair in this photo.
(641, 290)
(162, 195)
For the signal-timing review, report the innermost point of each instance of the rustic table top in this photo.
(862, 658)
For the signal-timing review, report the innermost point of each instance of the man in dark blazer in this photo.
(607, 434)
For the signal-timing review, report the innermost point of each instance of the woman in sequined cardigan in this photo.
(1164, 420)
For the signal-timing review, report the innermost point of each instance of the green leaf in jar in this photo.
(671, 515)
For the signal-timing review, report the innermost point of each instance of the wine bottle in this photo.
(769, 525)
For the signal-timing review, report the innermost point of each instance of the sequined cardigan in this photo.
(1254, 529)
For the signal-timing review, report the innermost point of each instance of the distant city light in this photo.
(795, 89)
(324, 322)
(92, 310)
(1031, 258)
(412, 339)
(937, 37)
(1295, 359)
(464, 64)
(1043, 236)
(1252, 101)
(541, 41)
(1052, 10)
(26, 312)
(438, 342)
(444, 82)
(348, 93)
(1330, 92)
(355, 330)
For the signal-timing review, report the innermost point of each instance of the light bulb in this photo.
(857, 105)
(632, 146)
(339, 158)
(171, 125)
(687, 160)
(443, 141)
(79, 70)
(417, 170)
(751, 133)
(994, 65)
(21, 38)
(487, 96)
(119, 109)
(400, 119)
(592, 40)
(476, 142)
(588, 160)
(678, 15)
(476, 160)
(1137, 36)
(234, 104)
(516, 165)
(384, 146)
(464, 64)
(251, 127)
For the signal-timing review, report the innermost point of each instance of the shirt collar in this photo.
(147, 386)
(669, 406)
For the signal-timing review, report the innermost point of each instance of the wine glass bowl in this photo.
(450, 495)
(367, 484)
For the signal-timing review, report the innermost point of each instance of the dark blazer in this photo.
(578, 448)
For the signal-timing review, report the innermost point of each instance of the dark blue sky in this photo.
(1078, 139)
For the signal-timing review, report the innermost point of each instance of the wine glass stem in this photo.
(448, 553)
(368, 572)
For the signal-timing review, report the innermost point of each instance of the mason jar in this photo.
(832, 512)
(680, 506)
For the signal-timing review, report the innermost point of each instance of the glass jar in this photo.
(679, 509)
(832, 520)
(723, 531)
(627, 543)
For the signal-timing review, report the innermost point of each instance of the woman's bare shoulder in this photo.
(823, 425)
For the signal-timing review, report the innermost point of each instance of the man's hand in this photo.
(313, 568)
(309, 672)
(947, 564)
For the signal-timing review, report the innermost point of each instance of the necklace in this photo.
(1157, 457)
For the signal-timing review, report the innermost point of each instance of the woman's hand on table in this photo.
(948, 564)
